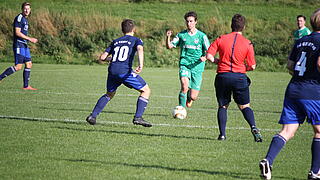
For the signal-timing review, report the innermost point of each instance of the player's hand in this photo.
(33, 40)
(203, 58)
(169, 33)
(138, 70)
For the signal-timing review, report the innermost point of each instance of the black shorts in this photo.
(236, 84)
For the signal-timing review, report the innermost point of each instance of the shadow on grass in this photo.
(103, 112)
(227, 174)
(134, 133)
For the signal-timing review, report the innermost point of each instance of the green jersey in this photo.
(192, 47)
(301, 32)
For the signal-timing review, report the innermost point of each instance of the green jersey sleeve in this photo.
(176, 40)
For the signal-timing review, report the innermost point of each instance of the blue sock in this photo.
(102, 102)
(249, 116)
(315, 149)
(222, 120)
(275, 147)
(7, 72)
(141, 106)
(26, 77)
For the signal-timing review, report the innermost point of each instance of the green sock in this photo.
(182, 99)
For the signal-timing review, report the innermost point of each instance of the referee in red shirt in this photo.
(236, 57)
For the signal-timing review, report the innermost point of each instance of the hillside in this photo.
(76, 32)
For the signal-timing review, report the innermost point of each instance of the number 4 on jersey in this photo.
(301, 64)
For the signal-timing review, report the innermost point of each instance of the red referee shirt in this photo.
(235, 51)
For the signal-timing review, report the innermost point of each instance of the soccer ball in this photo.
(179, 112)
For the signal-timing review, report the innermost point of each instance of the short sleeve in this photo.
(139, 42)
(250, 56)
(293, 53)
(109, 48)
(213, 48)
(18, 21)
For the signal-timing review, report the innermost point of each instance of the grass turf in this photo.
(44, 135)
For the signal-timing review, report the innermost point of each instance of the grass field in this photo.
(44, 135)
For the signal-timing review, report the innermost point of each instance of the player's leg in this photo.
(101, 103)
(10, 70)
(276, 145)
(192, 95)
(183, 94)
(26, 76)
(315, 151)
(27, 70)
(112, 84)
(194, 87)
(184, 74)
(142, 101)
(223, 95)
(312, 108)
(222, 121)
(241, 96)
(18, 59)
(292, 115)
(137, 82)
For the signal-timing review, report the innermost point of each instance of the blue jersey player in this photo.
(120, 72)
(20, 46)
(302, 99)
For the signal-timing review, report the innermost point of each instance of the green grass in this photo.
(44, 135)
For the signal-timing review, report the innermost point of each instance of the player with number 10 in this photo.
(120, 72)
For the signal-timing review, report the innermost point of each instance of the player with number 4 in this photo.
(120, 72)
(302, 99)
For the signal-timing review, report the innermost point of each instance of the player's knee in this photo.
(184, 89)
(241, 107)
(145, 91)
(18, 67)
(110, 94)
(287, 134)
(317, 131)
(194, 97)
(29, 65)
(224, 106)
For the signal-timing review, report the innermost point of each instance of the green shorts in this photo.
(195, 77)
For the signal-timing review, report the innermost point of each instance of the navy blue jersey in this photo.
(305, 82)
(123, 50)
(20, 22)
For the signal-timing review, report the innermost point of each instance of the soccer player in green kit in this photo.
(193, 46)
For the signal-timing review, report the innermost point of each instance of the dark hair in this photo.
(191, 14)
(25, 4)
(299, 16)
(127, 25)
(237, 23)
(315, 20)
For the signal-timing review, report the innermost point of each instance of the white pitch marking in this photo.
(126, 123)
(126, 95)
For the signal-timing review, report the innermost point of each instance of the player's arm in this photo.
(140, 59)
(205, 47)
(250, 60)
(168, 40)
(21, 35)
(290, 66)
(103, 56)
(318, 64)
(211, 58)
(212, 50)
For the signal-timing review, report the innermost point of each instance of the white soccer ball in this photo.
(179, 112)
